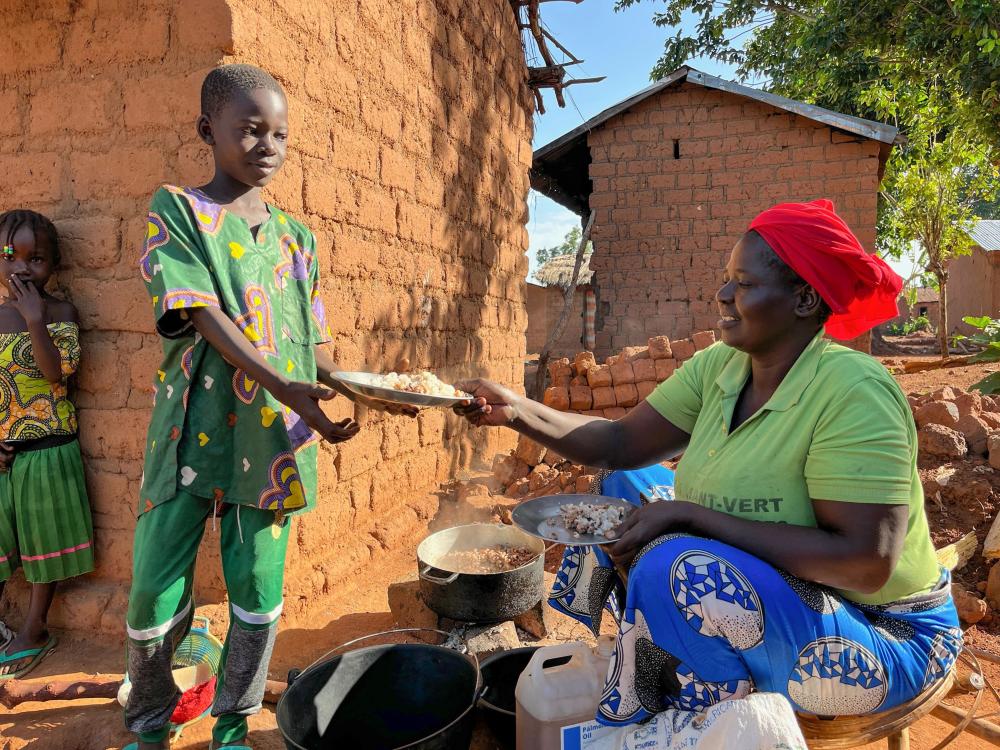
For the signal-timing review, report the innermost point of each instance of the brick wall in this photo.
(664, 225)
(545, 305)
(973, 288)
(409, 151)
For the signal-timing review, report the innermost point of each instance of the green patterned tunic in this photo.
(215, 432)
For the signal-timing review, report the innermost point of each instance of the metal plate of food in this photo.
(432, 392)
(587, 521)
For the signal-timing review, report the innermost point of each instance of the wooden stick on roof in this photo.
(553, 74)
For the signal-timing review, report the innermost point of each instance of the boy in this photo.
(235, 290)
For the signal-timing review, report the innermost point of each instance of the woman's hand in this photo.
(303, 399)
(644, 524)
(26, 300)
(492, 405)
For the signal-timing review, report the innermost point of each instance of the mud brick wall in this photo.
(545, 305)
(410, 142)
(973, 288)
(664, 225)
(611, 389)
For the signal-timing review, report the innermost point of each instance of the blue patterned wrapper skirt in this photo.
(703, 622)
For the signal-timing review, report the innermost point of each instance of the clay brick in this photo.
(36, 177)
(645, 388)
(703, 339)
(633, 353)
(92, 242)
(659, 347)
(202, 26)
(626, 395)
(89, 102)
(593, 412)
(111, 40)
(560, 368)
(615, 412)
(644, 369)
(665, 368)
(31, 46)
(683, 349)
(134, 172)
(557, 398)
(580, 397)
(583, 362)
(604, 397)
(529, 451)
(622, 373)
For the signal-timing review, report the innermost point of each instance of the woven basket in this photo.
(196, 660)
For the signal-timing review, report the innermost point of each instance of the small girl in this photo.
(45, 523)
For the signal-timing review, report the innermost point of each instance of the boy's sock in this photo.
(229, 728)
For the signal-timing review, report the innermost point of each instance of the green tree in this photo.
(931, 192)
(568, 246)
(827, 51)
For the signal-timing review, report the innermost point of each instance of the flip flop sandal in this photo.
(36, 654)
(6, 635)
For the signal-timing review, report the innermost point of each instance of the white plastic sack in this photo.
(761, 721)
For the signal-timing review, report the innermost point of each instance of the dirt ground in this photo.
(361, 607)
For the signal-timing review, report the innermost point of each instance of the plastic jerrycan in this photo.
(560, 687)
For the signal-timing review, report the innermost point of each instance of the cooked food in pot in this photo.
(498, 558)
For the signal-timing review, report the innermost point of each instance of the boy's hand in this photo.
(7, 452)
(26, 300)
(303, 399)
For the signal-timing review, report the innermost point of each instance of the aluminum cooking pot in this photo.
(479, 597)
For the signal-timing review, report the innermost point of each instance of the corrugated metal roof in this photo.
(559, 168)
(986, 234)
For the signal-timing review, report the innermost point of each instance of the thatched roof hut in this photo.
(559, 271)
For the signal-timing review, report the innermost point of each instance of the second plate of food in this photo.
(430, 391)
(574, 520)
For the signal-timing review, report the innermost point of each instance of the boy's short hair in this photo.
(12, 221)
(225, 82)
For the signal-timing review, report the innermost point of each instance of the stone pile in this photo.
(534, 471)
(952, 423)
(623, 380)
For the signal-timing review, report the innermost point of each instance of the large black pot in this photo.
(479, 597)
(386, 697)
(497, 704)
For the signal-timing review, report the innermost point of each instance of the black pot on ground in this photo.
(412, 696)
(497, 704)
(479, 597)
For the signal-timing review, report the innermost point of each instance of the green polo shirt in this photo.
(837, 428)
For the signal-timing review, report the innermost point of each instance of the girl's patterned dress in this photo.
(45, 521)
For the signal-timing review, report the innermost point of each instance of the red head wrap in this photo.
(860, 288)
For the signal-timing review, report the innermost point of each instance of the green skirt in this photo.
(45, 522)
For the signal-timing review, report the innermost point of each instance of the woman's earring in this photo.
(8, 251)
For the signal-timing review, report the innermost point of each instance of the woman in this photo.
(842, 607)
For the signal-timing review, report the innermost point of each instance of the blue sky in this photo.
(624, 47)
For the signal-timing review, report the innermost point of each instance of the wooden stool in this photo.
(836, 732)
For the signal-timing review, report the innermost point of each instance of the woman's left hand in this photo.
(644, 524)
